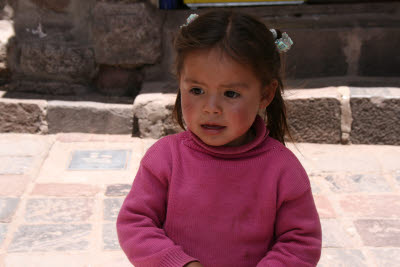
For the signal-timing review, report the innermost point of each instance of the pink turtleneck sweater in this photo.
(223, 206)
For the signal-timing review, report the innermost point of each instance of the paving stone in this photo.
(15, 165)
(110, 238)
(388, 257)
(13, 185)
(324, 207)
(333, 234)
(99, 160)
(58, 210)
(51, 237)
(379, 233)
(342, 258)
(65, 190)
(371, 205)
(3, 231)
(118, 190)
(111, 208)
(8, 206)
(357, 183)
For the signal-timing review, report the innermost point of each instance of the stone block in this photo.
(68, 210)
(342, 257)
(385, 206)
(93, 117)
(15, 164)
(357, 183)
(51, 237)
(111, 208)
(83, 160)
(110, 238)
(118, 190)
(377, 58)
(6, 32)
(57, 61)
(126, 34)
(22, 116)
(54, 5)
(379, 233)
(326, 59)
(314, 115)
(153, 115)
(119, 81)
(65, 190)
(8, 206)
(47, 87)
(376, 116)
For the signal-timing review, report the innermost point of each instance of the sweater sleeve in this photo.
(297, 231)
(140, 221)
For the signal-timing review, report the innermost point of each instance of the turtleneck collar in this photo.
(231, 152)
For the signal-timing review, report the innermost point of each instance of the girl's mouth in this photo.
(212, 128)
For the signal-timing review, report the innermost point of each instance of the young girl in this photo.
(226, 192)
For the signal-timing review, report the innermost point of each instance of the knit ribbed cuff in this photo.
(176, 257)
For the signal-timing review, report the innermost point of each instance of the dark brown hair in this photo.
(246, 40)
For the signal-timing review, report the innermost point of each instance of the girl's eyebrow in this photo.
(228, 85)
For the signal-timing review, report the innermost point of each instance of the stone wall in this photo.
(113, 46)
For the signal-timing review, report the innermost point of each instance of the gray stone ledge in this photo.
(376, 116)
(89, 117)
(322, 115)
(23, 116)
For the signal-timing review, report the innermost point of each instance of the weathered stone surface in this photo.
(379, 233)
(111, 208)
(376, 116)
(69, 210)
(13, 185)
(377, 58)
(386, 256)
(113, 159)
(54, 5)
(153, 115)
(8, 206)
(47, 87)
(126, 34)
(333, 234)
(65, 190)
(118, 190)
(93, 117)
(357, 183)
(326, 59)
(119, 81)
(386, 206)
(22, 116)
(342, 257)
(15, 164)
(51, 237)
(314, 115)
(110, 239)
(57, 61)
(324, 207)
(6, 32)
(3, 231)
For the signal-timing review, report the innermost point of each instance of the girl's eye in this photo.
(231, 94)
(196, 91)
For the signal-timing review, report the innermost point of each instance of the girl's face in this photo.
(220, 98)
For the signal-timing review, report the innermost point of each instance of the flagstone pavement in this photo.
(60, 195)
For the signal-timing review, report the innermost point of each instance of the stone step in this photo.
(323, 115)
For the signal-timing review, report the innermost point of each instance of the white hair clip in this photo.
(284, 43)
(191, 18)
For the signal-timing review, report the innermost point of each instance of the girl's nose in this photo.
(212, 105)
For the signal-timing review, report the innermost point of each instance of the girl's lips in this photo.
(212, 127)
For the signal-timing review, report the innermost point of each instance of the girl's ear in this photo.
(268, 94)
